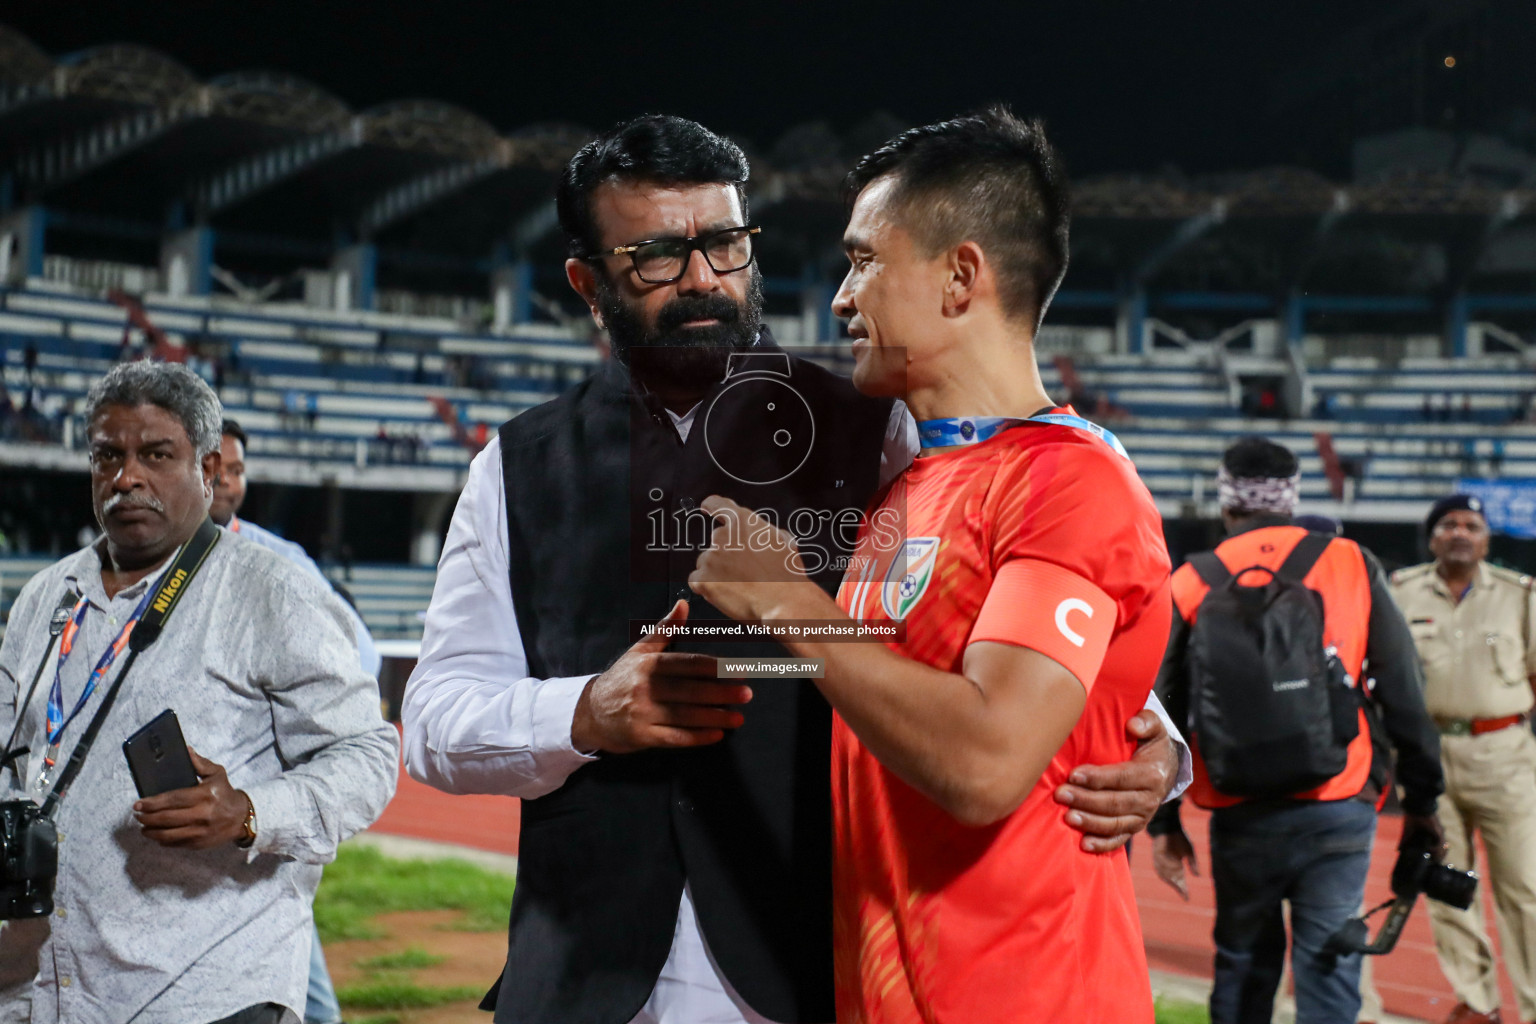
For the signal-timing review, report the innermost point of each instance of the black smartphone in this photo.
(157, 756)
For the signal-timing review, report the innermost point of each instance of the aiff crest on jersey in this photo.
(908, 576)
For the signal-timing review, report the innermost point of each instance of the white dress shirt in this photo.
(469, 730)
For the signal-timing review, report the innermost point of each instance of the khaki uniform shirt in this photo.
(1478, 654)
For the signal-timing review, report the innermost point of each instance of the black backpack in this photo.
(1272, 709)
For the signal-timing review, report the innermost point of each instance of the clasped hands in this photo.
(652, 697)
(752, 571)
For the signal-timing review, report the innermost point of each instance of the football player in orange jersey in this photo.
(1031, 578)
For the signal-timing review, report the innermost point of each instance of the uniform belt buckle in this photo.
(1455, 726)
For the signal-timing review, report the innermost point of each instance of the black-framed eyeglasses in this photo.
(664, 260)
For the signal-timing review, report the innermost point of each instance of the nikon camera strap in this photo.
(172, 585)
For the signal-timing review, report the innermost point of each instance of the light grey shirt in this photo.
(367, 653)
(259, 663)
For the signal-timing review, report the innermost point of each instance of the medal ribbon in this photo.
(945, 433)
(964, 430)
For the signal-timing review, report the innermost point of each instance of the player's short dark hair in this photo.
(656, 148)
(988, 177)
(1250, 457)
(232, 428)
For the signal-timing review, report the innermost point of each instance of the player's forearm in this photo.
(940, 732)
(935, 730)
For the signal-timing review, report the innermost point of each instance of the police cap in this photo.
(1452, 503)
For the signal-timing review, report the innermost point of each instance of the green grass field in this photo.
(1171, 1012)
(364, 882)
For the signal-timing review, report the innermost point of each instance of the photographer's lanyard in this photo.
(167, 591)
(966, 430)
(57, 722)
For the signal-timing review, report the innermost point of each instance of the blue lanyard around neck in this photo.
(57, 722)
(966, 430)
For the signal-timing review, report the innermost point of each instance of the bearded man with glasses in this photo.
(675, 853)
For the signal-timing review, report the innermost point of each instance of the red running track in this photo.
(1178, 934)
(481, 822)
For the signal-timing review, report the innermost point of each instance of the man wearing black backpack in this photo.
(1274, 632)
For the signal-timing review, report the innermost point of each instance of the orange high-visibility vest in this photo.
(1344, 582)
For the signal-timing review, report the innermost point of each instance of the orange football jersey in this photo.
(1044, 537)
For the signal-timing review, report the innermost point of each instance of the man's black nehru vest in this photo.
(599, 490)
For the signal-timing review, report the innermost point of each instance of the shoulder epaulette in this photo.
(1411, 572)
(1514, 576)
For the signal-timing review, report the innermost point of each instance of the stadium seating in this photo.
(394, 402)
(390, 598)
(319, 387)
(304, 384)
(1490, 391)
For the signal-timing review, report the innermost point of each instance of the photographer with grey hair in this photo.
(188, 900)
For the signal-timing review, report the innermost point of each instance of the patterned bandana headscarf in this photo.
(1275, 494)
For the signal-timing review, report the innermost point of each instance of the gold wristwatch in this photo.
(245, 841)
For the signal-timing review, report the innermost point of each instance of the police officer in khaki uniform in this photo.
(1473, 626)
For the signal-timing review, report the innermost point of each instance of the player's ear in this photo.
(967, 264)
(583, 281)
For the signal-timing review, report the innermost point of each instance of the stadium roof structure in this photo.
(1286, 228)
(123, 132)
(123, 139)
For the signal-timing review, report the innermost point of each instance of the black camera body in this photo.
(1415, 872)
(29, 860)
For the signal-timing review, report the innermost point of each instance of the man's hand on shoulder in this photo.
(652, 697)
(1111, 803)
(199, 817)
